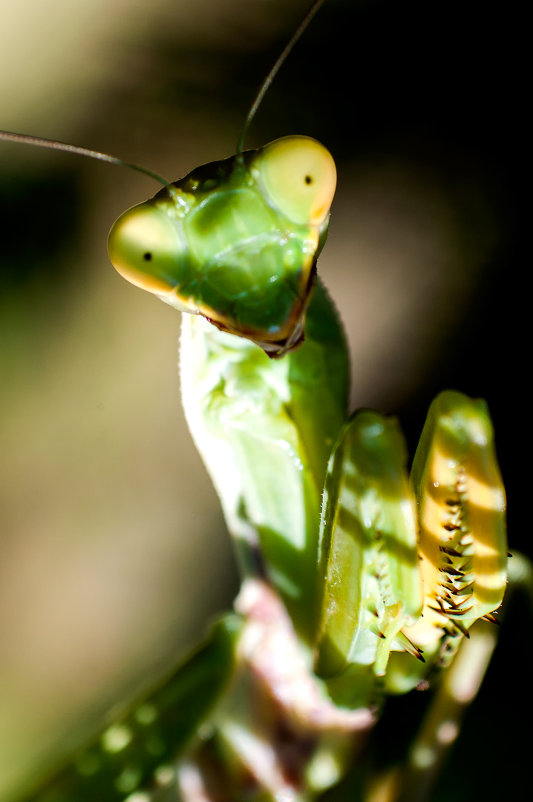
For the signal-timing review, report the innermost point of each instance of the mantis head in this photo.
(236, 241)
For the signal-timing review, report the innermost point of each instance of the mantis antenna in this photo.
(54, 144)
(267, 83)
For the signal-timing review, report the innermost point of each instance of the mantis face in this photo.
(236, 241)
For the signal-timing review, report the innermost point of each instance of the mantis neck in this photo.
(264, 429)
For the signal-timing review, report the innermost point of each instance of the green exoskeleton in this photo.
(358, 579)
(236, 242)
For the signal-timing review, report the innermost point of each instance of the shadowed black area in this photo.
(39, 217)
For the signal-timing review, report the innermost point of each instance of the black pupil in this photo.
(308, 179)
(147, 256)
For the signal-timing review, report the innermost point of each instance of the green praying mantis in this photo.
(358, 581)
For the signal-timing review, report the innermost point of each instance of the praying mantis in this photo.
(293, 578)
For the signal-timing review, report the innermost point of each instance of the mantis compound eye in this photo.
(299, 177)
(144, 247)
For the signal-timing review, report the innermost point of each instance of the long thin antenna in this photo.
(265, 86)
(53, 144)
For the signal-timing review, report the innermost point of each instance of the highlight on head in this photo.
(299, 178)
(144, 247)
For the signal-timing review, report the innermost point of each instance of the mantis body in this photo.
(368, 587)
(365, 580)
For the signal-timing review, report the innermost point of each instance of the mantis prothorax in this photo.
(370, 577)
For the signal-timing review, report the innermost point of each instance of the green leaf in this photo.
(133, 751)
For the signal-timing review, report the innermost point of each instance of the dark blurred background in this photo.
(113, 553)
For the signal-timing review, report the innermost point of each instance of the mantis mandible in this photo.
(235, 243)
